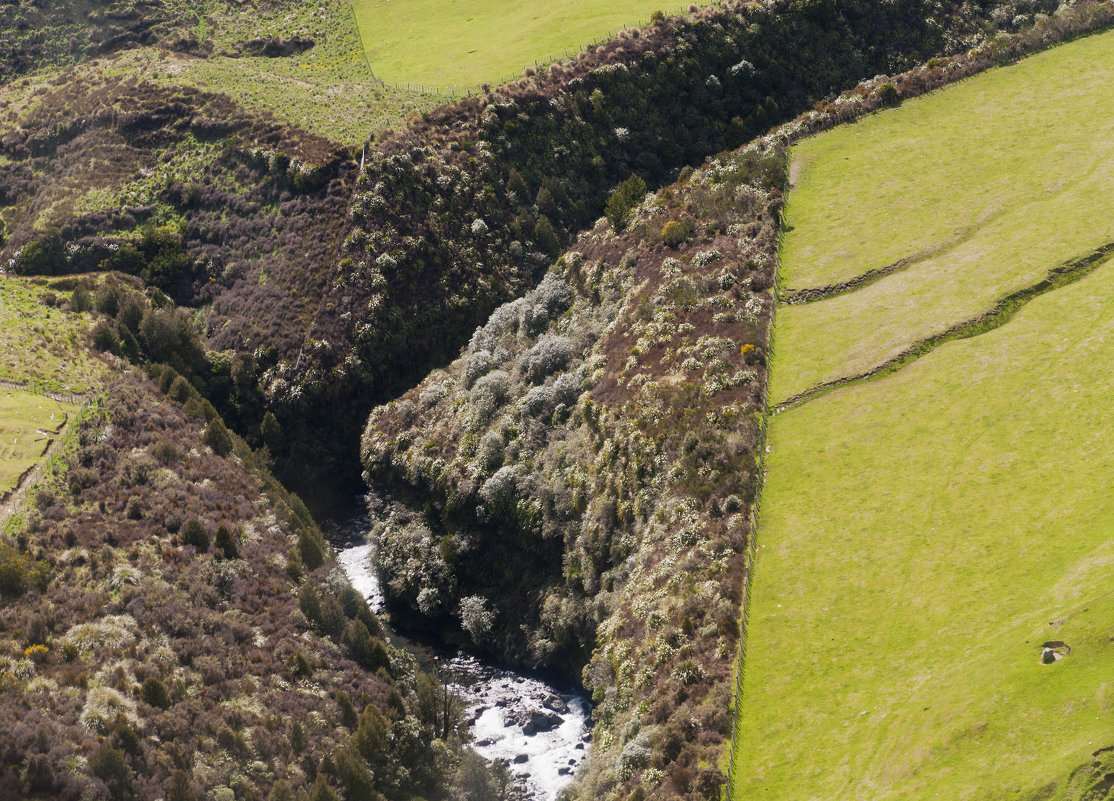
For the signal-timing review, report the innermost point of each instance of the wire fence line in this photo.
(752, 544)
(61, 397)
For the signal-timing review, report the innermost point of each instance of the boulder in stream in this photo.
(535, 720)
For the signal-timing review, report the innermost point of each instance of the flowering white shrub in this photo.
(475, 617)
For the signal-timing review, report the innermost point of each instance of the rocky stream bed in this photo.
(539, 731)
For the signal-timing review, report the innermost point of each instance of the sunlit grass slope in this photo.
(328, 89)
(463, 43)
(27, 423)
(41, 345)
(929, 174)
(922, 535)
(1001, 178)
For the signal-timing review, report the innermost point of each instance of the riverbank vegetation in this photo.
(172, 623)
(574, 491)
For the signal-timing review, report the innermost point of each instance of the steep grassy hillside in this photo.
(975, 187)
(927, 534)
(302, 63)
(468, 42)
(28, 423)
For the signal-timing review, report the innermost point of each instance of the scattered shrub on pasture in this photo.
(104, 337)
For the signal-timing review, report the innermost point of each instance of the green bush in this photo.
(193, 533)
(310, 603)
(47, 256)
(180, 789)
(226, 543)
(217, 437)
(104, 337)
(546, 237)
(80, 300)
(298, 665)
(154, 693)
(888, 93)
(626, 196)
(676, 232)
(19, 573)
(310, 550)
(111, 766)
(366, 651)
(347, 711)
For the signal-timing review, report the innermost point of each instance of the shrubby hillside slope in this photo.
(463, 209)
(575, 490)
(172, 624)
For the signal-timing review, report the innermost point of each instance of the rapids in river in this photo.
(539, 731)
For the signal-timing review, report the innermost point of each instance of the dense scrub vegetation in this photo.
(173, 625)
(574, 492)
(575, 489)
(463, 209)
(178, 187)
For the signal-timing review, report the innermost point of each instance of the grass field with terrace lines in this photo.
(924, 534)
(998, 187)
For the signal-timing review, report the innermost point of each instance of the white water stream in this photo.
(539, 732)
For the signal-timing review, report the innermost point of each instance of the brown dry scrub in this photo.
(189, 663)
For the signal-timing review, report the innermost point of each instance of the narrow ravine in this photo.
(539, 731)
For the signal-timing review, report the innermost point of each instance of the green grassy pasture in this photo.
(41, 345)
(27, 423)
(463, 43)
(925, 176)
(922, 535)
(1000, 179)
(328, 89)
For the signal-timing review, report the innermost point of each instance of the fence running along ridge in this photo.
(760, 461)
(61, 397)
